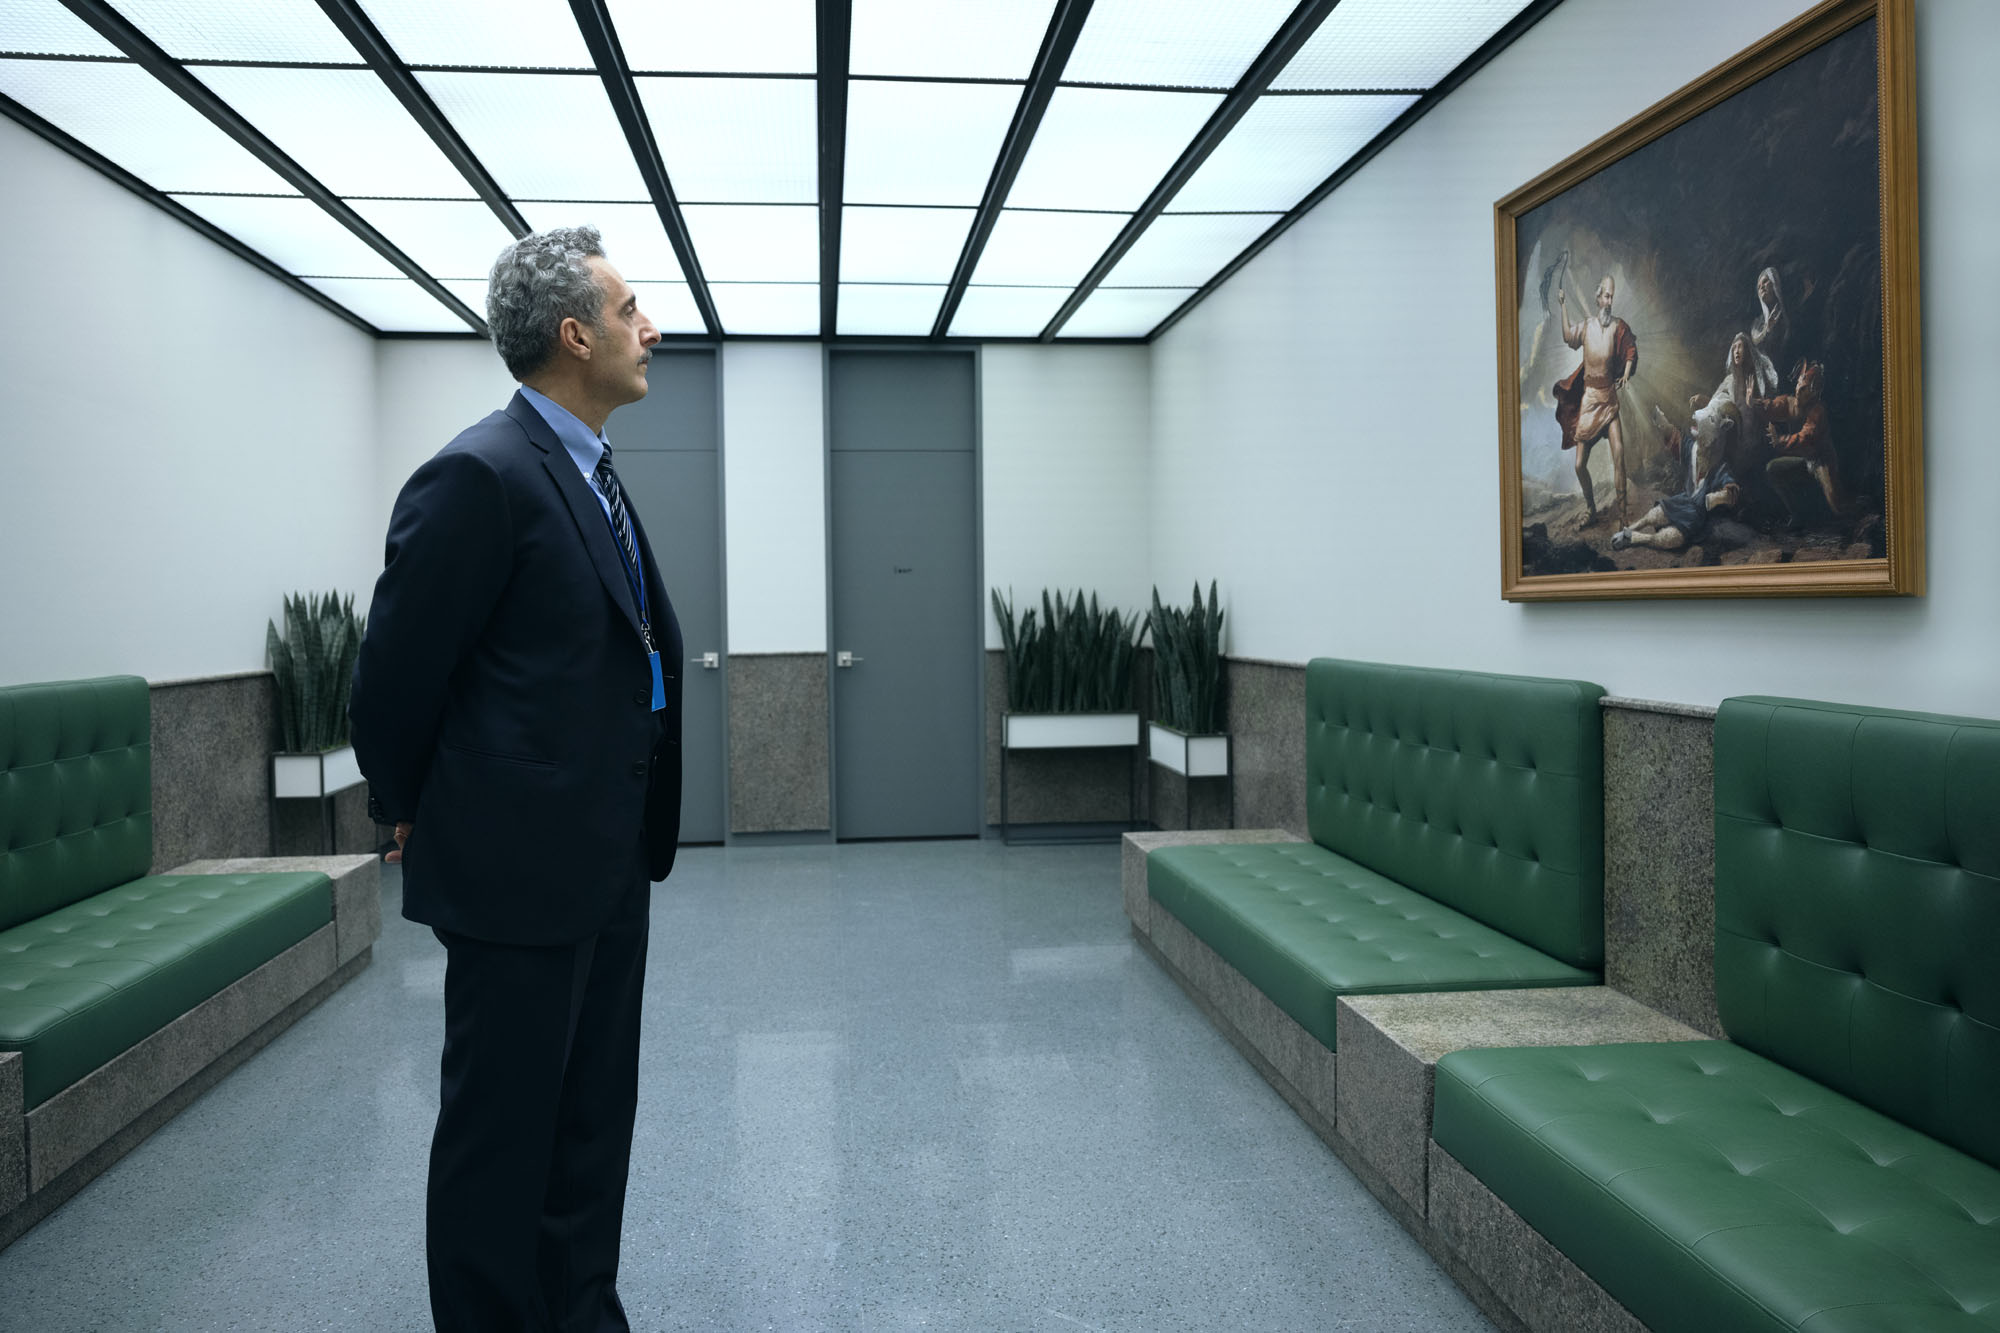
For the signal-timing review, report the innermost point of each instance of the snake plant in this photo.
(314, 663)
(1187, 664)
(1076, 658)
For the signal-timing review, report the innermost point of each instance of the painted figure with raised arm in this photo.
(1587, 401)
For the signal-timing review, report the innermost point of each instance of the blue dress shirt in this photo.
(584, 446)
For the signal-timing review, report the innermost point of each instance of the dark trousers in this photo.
(534, 1133)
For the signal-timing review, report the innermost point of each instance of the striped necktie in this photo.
(614, 497)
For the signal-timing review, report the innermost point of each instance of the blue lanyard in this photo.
(635, 579)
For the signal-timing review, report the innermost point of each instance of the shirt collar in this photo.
(582, 444)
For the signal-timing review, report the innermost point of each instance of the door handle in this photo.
(709, 661)
(845, 659)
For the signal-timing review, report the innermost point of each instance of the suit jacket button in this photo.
(641, 698)
(639, 769)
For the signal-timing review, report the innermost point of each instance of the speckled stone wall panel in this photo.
(1169, 793)
(1132, 863)
(212, 742)
(1267, 727)
(1659, 857)
(357, 891)
(1534, 1280)
(80, 1117)
(13, 1133)
(302, 826)
(1304, 1069)
(779, 765)
(1060, 786)
(1389, 1046)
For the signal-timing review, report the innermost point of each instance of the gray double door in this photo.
(905, 611)
(665, 449)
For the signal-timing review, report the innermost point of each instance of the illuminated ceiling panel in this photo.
(634, 241)
(450, 240)
(296, 234)
(1124, 312)
(1036, 249)
(789, 308)
(924, 143)
(266, 30)
(543, 136)
(881, 311)
(1284, 147)
(1366, 44)
(1006, 312)
(755, 242)
(670, 305)
(343, 126)
(1186, 250)
(1176, 43)
(506, 34)
(120, 111)
(44, 27)
(901, 244)
(394, 305)
(997, 39)
(736, 37)
(1105, 148)
(737, 141)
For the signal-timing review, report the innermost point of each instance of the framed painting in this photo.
(1708, 335)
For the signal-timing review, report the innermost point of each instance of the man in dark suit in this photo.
(516, 710)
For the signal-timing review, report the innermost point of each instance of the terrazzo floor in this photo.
(885, 1086)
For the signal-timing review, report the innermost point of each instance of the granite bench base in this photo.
(1371, 1102)
(51, 1152)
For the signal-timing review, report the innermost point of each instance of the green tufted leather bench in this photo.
(96, 955)
(1458, 844)
(1835, 1167)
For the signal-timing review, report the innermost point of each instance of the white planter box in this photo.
(1190, 756)
(314, 774)
(1062, 731)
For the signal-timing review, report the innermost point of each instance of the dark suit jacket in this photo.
(503, 701)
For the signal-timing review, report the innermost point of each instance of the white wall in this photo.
(426, 393)
(774, 487)
(1065, 480)
(185, 438)
(1324, 424)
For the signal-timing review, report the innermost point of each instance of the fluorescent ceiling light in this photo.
(1284, 147)
(295, 234)
(542, 136)
(1177, 43)
(1187, 250)
(505, 34)
(781, 307)
(1006, 312)
(755, 242)
(124, 113)
(266, 30)
(671, 307)
(394, 305)
(888, 311)
(721, 36)
(1124, 312)
(44, 27)
(948, 39)
(1103, 148)
(472, 291)
(447, 239)
(635, 241)
(1044, 249)
(1366, 44)
(924, 143)
(902, 244)
(344, 127)
(737, 141)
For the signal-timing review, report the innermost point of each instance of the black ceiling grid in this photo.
(90, 157)
(1270, 62)
(1465, 69)
(122, 34)
(836, 25)
(361, 32)
(1065, 26)
(594, 21)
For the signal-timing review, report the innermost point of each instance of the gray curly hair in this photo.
(538, 282)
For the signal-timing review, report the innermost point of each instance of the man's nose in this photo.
(648, 335)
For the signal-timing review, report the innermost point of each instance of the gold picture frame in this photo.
(1735, 219)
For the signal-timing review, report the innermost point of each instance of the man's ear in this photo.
(574, 337)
